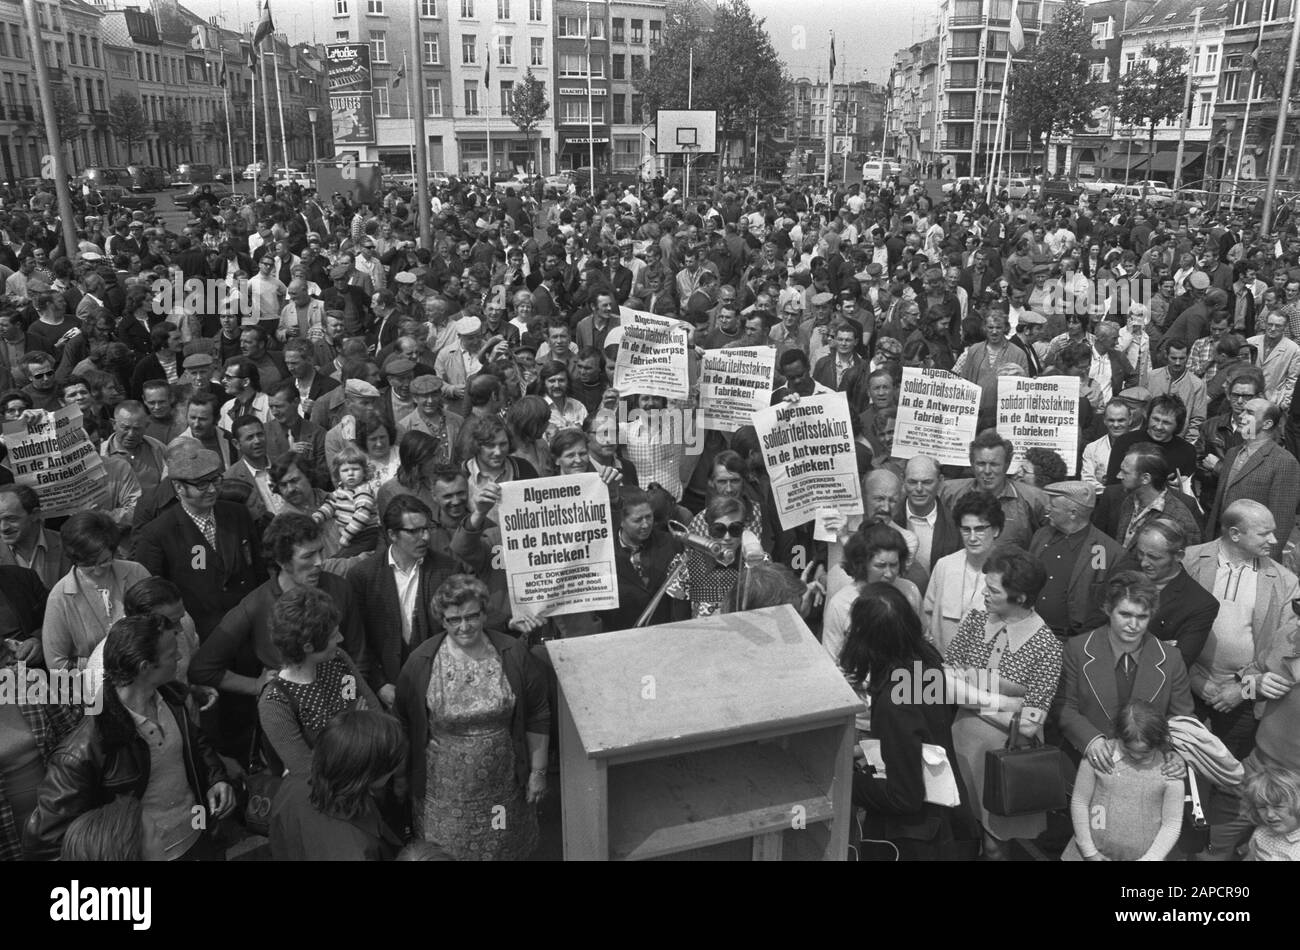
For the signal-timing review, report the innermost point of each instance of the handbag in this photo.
(264, 777)
(1023, 780)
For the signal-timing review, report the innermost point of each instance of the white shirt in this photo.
(408, 586)
(923, 527)
(262, 479)
(1099, 371)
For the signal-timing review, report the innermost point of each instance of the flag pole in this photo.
(409, 114)
(487, 111)
(421, 169)
(998, 129)
(225, 105)
(1187, 105)
(266, 117)
(252, 102)
(830, 115)
(279, 102)
(591, 123)
(1245, 122)
(1275, 157)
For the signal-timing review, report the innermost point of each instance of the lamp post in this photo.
(312, 112)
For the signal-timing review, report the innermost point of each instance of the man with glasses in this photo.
(254, 468)
(206, 547)
(267, 294)
(1260, 470)
(1226, 431)
(1278, 357)
(243, 384)
(393, 591)
(41, 388)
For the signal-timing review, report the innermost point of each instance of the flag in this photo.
(264, 27)
(1017, 37)
(832, 79)
(487, 68)
(250, 57)
(222, 80)
(401, 73)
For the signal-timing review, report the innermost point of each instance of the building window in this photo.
(627, 154)
(340, 7)
(638, 32)
(656, 32)
(575, 112)
(618, 116)
(471, 97)
(341, 35)
(469, 49)
(617, 29)
(503, 9)
(505, 51)
(572, 27)
(536, 50)
(433, 98)
(507, 90)
(1209, 59)
(638, 66)
(379, 46)
(535, 11)
(467, 9)
(94, 51)
(1099, 72)
(381, 99)
(1130, 60)
(617, 67)
(638, 107)
(1204, 108)
(573, 64)
(597, 29)
(432, 53)
(428, 8)
(375, 7)
(72, 50)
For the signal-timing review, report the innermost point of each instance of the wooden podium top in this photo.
(715, 677)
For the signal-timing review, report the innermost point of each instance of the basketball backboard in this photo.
(686, 131)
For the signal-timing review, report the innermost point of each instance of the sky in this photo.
(867, 31)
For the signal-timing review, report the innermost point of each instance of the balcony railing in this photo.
(965, 21)
(959, 115)
(963, 52)
(955, 145)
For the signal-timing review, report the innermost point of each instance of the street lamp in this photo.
(312, 112)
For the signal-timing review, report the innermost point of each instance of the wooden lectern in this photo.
(723, 738)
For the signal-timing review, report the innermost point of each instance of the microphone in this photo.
(717, 550)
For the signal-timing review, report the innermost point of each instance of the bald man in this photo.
(925, 514)
(1243, 658)
(882, 493)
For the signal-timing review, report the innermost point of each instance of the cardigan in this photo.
(74, 624)
(532, 712)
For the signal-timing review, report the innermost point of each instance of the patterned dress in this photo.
(1030, 671)
(474, 807)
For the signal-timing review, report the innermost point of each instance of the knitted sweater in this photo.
(1133, 814)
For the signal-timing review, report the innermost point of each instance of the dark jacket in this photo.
(106, 757)
(374, 590)
(1185, 616)
(896, 809)
(946, 540)
(25, 594)
(634, 595)
(299, 832)
(532, 712)
(1087, 587)
(211, 582)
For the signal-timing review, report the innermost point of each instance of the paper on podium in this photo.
(940, 780)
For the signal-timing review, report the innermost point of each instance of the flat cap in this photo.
(338, 271)
(423, 385)
(823, 299)
(468, 326)
(1029, 316)
(198, 361)
(398, 365)
(1077, 492)
(405, 277)
(1199, 280)
(190, 461)
(359, 387)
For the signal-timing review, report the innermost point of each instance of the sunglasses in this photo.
(719, 530)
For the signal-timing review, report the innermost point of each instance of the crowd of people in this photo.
(290, 588)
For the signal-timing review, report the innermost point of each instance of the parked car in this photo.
(254, 171)
(216, 189)
(440, 179)
(1061, 189)
(117, 195)
(99, 175)
(954, 186)
(147, 178)
(193, 174)
(557, 185)
(285, 176)
(1015, 187)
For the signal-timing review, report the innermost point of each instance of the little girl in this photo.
(1272, 799)
(352, 503)
(1135, 813)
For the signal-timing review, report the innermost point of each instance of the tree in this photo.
(1054, 92)
(737, 71)
(528, 106)
(1152, 92)
(67, 118)
(127, 122)
(175, 132)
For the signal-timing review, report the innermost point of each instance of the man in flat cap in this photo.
(206, 547)
(1077, 558)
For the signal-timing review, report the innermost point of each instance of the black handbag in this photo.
(1024, 780)
(1195, 836)
(265, 775)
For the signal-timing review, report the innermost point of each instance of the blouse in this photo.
(1031, 654)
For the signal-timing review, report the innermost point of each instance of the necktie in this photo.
(1128, 665)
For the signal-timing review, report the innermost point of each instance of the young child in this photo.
(1135, 813)
(1272, 799)
(352, 503)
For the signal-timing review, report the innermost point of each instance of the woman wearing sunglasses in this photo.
(704, 578)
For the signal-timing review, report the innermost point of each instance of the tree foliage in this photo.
(1053, 92)
(528, 105)
(127, 122)
(175, 129)
(1152, 93)
(66, 116)
(736, 69)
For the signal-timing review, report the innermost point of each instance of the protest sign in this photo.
(651, 356)
(54, 456)
(558, 545)
(735, 384)
(810, 458)
(1041, 413)
(937, 416)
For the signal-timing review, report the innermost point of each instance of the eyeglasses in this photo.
(213, 483)
(422, 530)
(719, 530)
(465, 620)
(1241, 397)
(975, 529)
(45, 375)
(232, 376)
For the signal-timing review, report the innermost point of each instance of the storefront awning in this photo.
(1164, 161)
(1118, 163)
